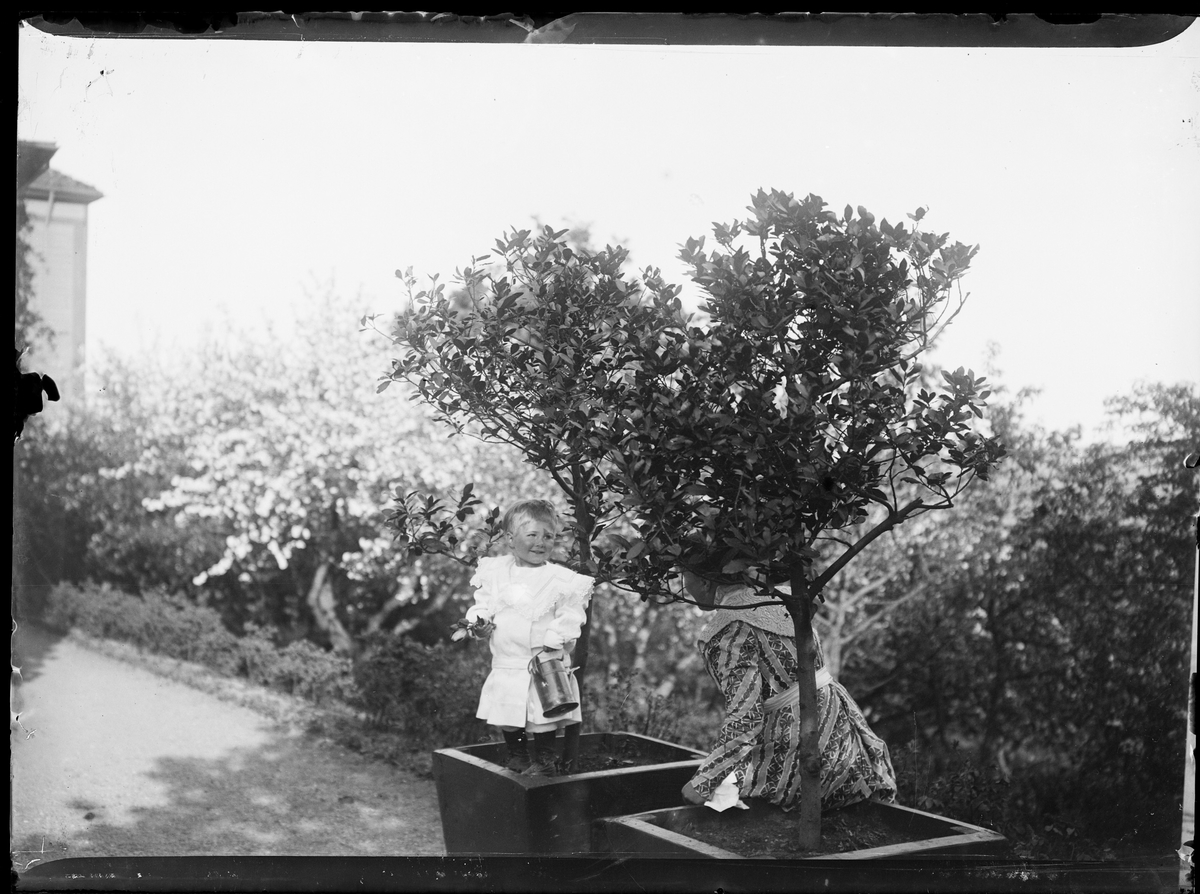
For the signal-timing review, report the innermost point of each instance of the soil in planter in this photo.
(775, 834)
(615, 754)
(590, 763)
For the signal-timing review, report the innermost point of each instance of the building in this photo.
(57, 208)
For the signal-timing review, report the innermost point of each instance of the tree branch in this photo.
(893, 519)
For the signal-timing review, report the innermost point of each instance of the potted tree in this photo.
(534, 350)
(795, 428)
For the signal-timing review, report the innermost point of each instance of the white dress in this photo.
(532, 607)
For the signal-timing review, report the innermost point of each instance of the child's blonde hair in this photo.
(535, 510)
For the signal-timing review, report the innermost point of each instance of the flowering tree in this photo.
(293, 456)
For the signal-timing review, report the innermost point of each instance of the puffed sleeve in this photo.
(482, 581)
(570, 611)
(732, 658)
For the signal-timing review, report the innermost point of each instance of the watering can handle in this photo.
(533, 660)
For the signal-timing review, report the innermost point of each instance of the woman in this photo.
(751, 653)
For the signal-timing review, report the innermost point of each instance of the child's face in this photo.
(532, 541)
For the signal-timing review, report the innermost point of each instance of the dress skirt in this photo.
(510, 699)
(759, 739)
(855, 764)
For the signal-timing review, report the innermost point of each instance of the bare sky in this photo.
(236, 172)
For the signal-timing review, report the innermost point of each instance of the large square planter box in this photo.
(487, 809)
(663, 833)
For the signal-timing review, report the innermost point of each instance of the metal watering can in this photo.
(552, 681)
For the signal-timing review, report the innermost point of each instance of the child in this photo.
(528, 604)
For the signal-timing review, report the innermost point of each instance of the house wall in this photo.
(58, 236)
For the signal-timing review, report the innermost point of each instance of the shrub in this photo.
(256, 653)
(156, 620)
(313, 673)
(951, 784)
(170, 625)
(1048, 810)
(624, 702)
(428, 692)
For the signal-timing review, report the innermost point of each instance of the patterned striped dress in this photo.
(761, 747)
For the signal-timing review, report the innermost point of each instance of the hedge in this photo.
(425, 693)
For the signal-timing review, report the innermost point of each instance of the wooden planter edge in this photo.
(970, 834)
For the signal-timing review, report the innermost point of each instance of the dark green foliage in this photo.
(1052, 637)
(171, 625)
(628, 702)
(429, 693)
(531, 351)
(156, 620)
(952, 784)
(1047, 811)
(307, 670)
(795, 410)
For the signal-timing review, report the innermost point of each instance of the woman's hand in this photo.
(691, 795)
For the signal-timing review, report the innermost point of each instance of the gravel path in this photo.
(109, 759)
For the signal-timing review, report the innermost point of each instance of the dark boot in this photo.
(542, 759)
(518, 750)
(570, 755)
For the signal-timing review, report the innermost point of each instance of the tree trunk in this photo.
(991, 733)
(641, 640)
(585, 525)
(571, 733)
(403, 599)
(404, 595)
(320, 600)
(434, 604)
(800, 609)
